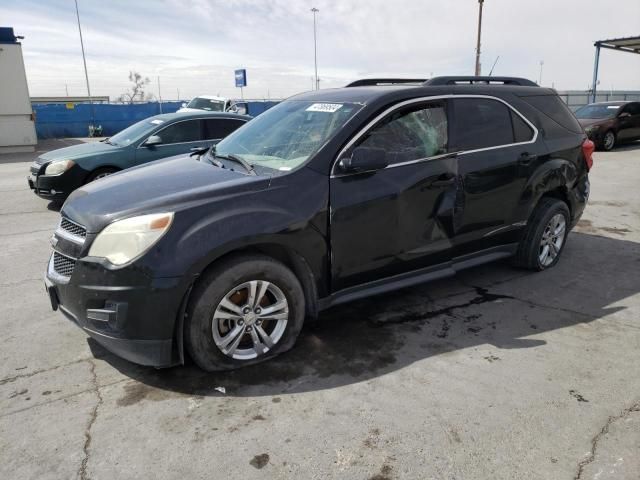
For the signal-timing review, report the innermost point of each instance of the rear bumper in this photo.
(128, 314)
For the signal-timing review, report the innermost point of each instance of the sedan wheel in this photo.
(250, 320)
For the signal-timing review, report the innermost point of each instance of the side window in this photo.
(481, 123)
(186, 131)
(553, 107)
(217, 128)
(633, 108)
(521, 131)
(411, 134)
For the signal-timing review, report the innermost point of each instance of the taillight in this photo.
(587, 150)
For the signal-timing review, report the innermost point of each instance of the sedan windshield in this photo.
(598, 111)
(207, 104)
(135, 132)
(286, 135)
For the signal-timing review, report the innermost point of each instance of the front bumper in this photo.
(55, 187)
(128, 313)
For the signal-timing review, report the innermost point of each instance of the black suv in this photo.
(328, 197)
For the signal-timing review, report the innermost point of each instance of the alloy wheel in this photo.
(552, 239)
(250, 320)
(609, 140)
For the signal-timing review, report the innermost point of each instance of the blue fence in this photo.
(58, 121)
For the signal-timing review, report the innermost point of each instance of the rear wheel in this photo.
(245, 310)
(100, 173)
(608, 141)
(545, 235)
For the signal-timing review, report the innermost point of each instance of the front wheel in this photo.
(100, 173)
(545, 235)
(243, 311)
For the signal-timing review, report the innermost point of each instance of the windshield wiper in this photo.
(106, 140)
(230, 156)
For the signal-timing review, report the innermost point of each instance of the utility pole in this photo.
(66, 89)
(480, 2)
(540, 77)
(159, 95)
(315, 48)
(84, 61)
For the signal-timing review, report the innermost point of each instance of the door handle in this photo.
(526, 158)
(443, 180)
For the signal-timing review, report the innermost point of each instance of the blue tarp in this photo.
(58, 121)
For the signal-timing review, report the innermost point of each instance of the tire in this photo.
(209, 324)
(100, 173)
(608, 141)
(540, 228)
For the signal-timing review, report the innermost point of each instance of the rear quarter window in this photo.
(553, 107)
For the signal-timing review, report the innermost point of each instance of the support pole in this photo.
(594, 81)
(480, 2)
(84, 60)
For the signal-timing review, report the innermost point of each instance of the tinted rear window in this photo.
(481, 123)
(220, 127)
(554, 108)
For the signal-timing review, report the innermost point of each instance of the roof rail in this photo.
(385, 81)
(484, 80)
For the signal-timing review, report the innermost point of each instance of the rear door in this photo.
(178, 138)
(629, 126)
(396, 219)
(497, 155)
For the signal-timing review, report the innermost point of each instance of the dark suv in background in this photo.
(610, 123)
(328, 197)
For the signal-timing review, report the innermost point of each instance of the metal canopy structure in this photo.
(626, 44)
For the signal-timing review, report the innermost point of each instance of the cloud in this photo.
(194, 45)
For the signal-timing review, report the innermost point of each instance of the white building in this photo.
(17, 127)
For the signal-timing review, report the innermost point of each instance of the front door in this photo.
(396, 219)
(497, 154)
(176, 139)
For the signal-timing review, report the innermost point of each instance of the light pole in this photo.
(315, 48)
(480, 2)
(540, 77)
(84, 61)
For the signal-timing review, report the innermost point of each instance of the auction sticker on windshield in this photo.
(324, 107)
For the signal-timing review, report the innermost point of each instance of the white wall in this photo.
(17, 130)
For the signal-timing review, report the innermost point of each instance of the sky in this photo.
(193, 46)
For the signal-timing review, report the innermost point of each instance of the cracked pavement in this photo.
(497, 373)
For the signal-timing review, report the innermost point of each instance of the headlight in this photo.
(125, 240)
(58, 167)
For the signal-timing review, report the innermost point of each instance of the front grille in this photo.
(63, 265)
(73, 228)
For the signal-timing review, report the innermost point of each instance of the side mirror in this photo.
(153, 140)
(624, 115)
(184, 105)
(364, 159)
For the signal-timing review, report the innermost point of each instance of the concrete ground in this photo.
(494, 374)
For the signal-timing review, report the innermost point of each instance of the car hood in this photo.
(77, 151)
(170, 184)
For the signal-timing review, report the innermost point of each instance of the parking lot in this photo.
(496, 373)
